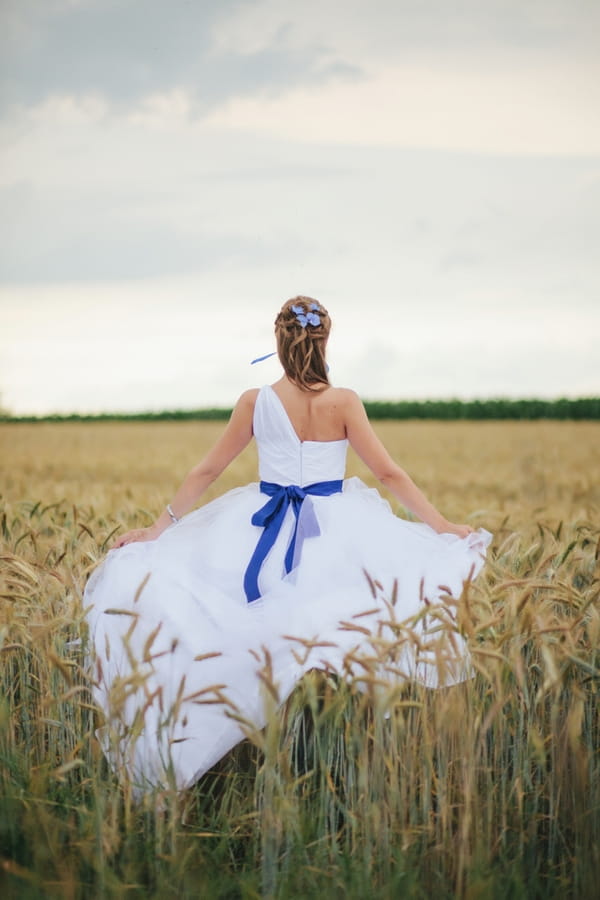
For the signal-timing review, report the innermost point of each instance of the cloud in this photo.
(88, 195)
(111, 237)
(501, 77)
(431, 171)
(388, 30)
(535, 107)
(130, 49)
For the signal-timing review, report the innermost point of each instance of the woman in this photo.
(192, 616)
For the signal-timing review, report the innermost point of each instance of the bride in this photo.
(190, 617)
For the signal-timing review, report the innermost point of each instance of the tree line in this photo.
(563, 408)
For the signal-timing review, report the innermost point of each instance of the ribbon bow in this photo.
(308, 318)
(271, 516)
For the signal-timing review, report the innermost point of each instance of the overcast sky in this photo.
(172, 171)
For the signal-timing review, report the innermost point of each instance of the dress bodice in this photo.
(282, 457)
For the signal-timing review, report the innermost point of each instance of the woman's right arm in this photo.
(367, 445)
(235, 438)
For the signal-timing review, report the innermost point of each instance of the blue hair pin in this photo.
(269, 355)
(260, 358)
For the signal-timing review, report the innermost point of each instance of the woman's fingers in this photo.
(127, 538)
(130, 537)
(462, 531)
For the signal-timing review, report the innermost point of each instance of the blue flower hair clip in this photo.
(308, 318)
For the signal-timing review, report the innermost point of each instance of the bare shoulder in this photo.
(243, 410)
(345, 398)
(248, 398)
(341, 394)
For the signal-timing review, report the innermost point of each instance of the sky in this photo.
(171, 172)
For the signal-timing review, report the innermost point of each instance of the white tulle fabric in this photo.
(180, 658)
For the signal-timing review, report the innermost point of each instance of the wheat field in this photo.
(490, 789)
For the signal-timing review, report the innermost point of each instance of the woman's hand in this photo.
(460, 530)
(137, 534)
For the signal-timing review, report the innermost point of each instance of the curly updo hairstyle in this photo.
(301, 347)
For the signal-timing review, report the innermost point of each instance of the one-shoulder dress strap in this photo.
(271, 421)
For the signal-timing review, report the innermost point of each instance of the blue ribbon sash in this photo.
(270, 517)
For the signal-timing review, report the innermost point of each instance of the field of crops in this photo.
(490, 789)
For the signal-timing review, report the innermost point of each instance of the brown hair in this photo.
(301, 348)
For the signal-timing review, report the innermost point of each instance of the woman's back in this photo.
(284, 456)
(316, 415)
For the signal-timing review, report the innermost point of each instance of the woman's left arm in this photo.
(235, 438)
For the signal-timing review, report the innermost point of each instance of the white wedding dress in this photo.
(180, 657)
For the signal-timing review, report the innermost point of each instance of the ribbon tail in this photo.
(271, 524)
(264, 544)
(307, 526)
(291, 550)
